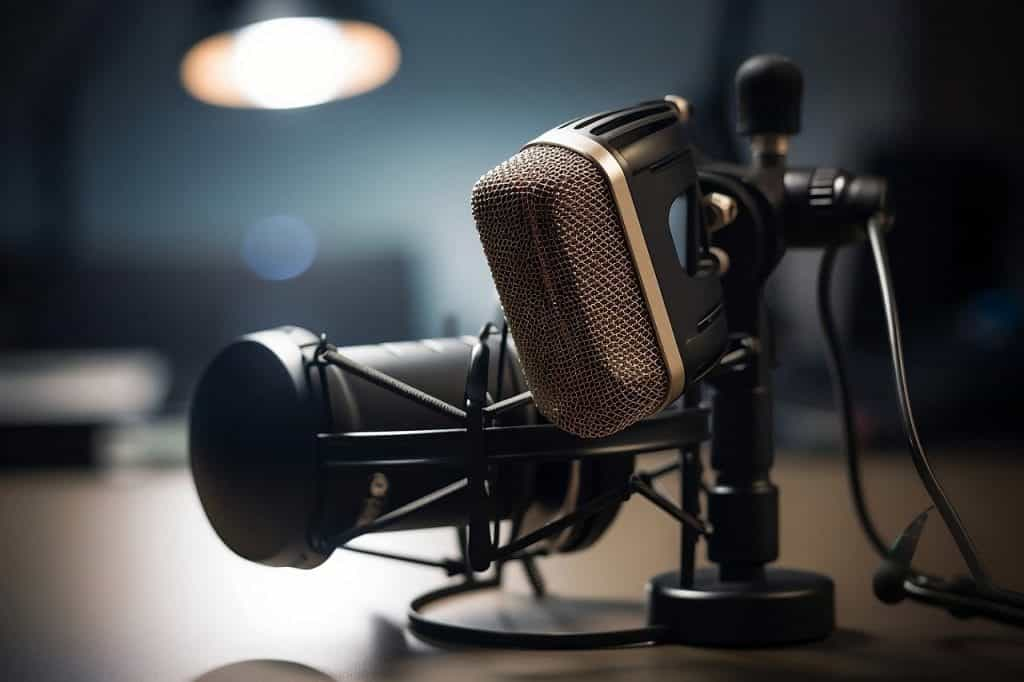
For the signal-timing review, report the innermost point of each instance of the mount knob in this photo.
(769, 90)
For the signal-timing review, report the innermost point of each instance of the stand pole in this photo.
(741, 603)
(743, 504)
(689, 496)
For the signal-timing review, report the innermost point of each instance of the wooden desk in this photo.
(119, 577)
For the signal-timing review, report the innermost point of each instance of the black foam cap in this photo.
(769, 89)
(252, 450)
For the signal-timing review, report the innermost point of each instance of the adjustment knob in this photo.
(769, 89)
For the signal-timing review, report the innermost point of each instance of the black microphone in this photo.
(267, 414)
(596, 235)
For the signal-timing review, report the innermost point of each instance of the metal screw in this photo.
(379, 485)
(723, 210)
(683, 109)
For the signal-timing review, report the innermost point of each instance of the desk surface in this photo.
(119, 577)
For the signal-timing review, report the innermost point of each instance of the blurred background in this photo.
(145, 224)
(174, 175)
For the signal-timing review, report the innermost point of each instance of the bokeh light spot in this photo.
(279, 247)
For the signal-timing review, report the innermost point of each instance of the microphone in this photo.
(596, 235)
(266, 412)
(598, 238)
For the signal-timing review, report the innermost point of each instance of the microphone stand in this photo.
(742, 602)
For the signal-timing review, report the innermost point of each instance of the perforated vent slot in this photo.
(595, 118)
(620, 121)
(643, 131)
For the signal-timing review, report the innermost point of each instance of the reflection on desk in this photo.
(119, 577)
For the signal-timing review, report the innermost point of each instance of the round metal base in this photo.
(786, 607)
(443, 633)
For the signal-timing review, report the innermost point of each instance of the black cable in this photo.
(982, 599)
(945, 507)
(843, 401)
(837, 367)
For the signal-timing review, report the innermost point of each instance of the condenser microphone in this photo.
(596, 237)
(268, 409)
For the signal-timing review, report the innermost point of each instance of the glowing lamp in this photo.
(284, 55)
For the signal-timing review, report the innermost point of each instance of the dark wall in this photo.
(112, 170)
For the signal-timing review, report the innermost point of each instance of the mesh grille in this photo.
(556, 249)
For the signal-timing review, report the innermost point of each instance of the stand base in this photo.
(785, 607)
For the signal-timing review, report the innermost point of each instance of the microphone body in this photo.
(594, 234)
(258, 459)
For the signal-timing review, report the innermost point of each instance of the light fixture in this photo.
(283, 55)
